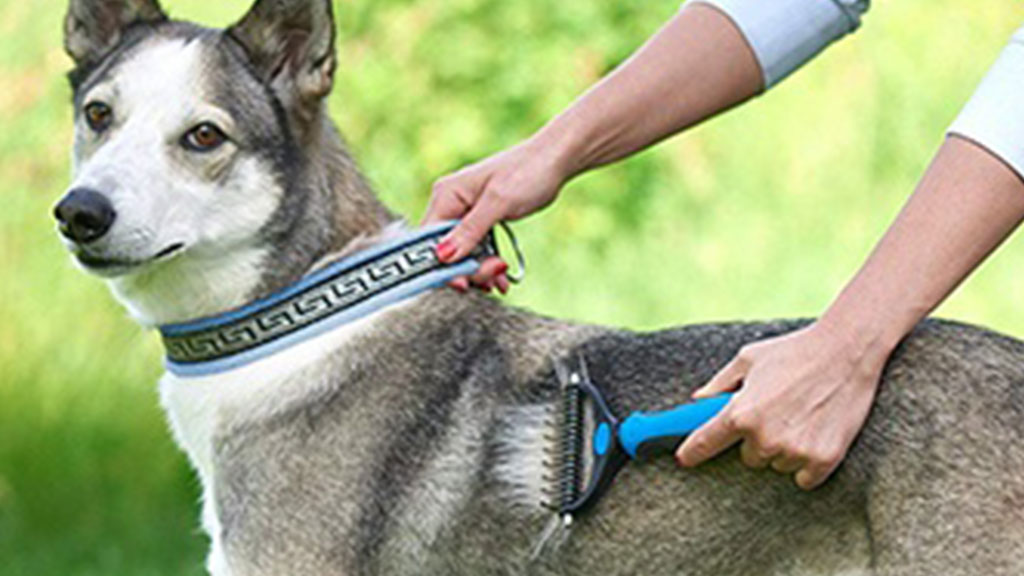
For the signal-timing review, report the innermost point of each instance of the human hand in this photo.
(802, 400)
(507, 186)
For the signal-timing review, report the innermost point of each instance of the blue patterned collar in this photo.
(338, 294)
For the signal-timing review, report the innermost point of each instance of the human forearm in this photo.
(713, 55)
(967, 203)
(697, 65)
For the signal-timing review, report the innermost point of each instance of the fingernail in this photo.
(501, 269)
(446, 250)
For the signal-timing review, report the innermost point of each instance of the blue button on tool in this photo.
(602, 438)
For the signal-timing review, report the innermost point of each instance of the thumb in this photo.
(472, 229)
(454, 195)
(727, 380)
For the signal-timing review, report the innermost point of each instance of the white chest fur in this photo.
(199, 409)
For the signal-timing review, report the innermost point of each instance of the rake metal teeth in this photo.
(570, 466)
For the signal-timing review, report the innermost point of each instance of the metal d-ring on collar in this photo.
(520, 272)
(337, 294)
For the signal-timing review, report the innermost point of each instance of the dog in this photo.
(207, 175)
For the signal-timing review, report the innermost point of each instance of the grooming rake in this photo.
(593, 445)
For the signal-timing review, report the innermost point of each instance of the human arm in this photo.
(696, 66)
(804, 397)
(713, 55)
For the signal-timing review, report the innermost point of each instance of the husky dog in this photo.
(207, 174)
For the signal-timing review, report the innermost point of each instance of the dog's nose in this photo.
(84, 215)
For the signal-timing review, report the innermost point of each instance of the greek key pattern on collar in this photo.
(306, 308)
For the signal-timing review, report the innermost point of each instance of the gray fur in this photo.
(94, 27)
(391, 461)
(291, 48)
(933, 485)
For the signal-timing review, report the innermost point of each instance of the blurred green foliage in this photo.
(762, 213)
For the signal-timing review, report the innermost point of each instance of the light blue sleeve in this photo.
(785, 34)
(994, 116)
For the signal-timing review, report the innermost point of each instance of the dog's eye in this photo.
(99, 116)
(204, 138)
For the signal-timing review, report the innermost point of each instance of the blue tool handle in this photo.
(643, 434)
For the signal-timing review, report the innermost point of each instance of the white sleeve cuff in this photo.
(994, 117)
(785, 34)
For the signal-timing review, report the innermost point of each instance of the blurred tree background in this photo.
(762, 213)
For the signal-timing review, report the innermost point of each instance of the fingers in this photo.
(490, 276)
(460, 284)
(727, 379)
(490, 269)
(787, 464)
(811, 471)
(721, 431)
(818, 469)
(461, 241)
(809, 478)
(453, 198)
(755, 455)
(454, 195)
(709, 441)
(502, 283)
(472, 229)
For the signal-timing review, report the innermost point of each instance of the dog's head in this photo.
(190, 144)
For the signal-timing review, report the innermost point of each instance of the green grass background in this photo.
(762, 213)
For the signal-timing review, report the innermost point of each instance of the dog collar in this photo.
(345, 291)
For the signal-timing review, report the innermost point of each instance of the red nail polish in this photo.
(446, 250)
(501, 269)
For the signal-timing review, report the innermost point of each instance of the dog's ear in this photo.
(291, 45)
(94, 27)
